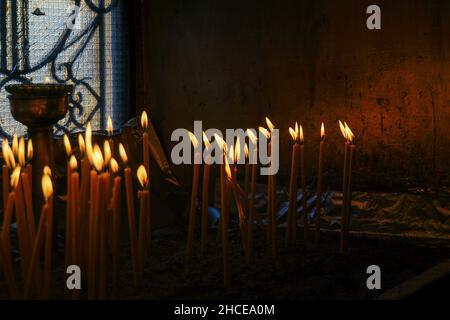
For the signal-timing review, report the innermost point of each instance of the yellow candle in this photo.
(22, 226)
(303, 181)
(251, 207)
(116, 206)
(194, 192)
(145, 142)
(131, 214)
(68, 235)
(292, 211)
(30, 159)
(47, 188)
(92, 256)
(143, 195)
(103, 219)
(74, 202)
(319, 182)
(110, 130)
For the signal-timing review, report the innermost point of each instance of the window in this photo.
(39, 43)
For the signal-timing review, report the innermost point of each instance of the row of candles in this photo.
(93, 215)
(93, 205)
(245, 197)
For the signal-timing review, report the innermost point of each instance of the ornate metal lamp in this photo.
(39, 107)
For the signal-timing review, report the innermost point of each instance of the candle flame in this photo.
(227, 169)
(237, 150)
(222, 144)
(88, 133)
(246, 151)
(144, 120)
(21, 156)
(15, 177)
(252, 136)
(107, 152)
(349, 133)
(47, 187)
(194, 139)
(114, 166)
(15, 145)
(109, 126)
(8, 155)
(142, 176)
(294, 132)
(47, 171)
(81, 144)
(322, 131)
(270, 124)
(98, 158)
(88, 143)
(206, 140)
(67, 145)
(230, 154)
(265, 132)
(30, 150)
(73, 163)
(302, 138)
(123, 154)
(343, 129)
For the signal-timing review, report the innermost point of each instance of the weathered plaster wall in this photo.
(230, 63)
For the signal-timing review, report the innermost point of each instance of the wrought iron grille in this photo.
(40, 42)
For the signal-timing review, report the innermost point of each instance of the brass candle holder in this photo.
(39, 107)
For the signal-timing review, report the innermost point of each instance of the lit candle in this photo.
(30, 159)
(251, 217)
(22, 227)
(5, 174)
(303, 181)
(346, 192)
(266, 133)
(225, 211)
(205, 197)
(225, 206)
(131, 213)
(100, 221)
(27, 191)
(291, 227)
(232, 181)
(47, 188)
(92, 255)
(145, 143)
(84, 198)
(68, 251)
(194, 192)
(319, 181)
(247, 170)
(75, 214)
(10, 164)
(110, 130)
(5, 257)
(116, 206)
(272, 200)
(143, 195)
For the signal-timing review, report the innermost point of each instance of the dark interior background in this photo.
(231, 63)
